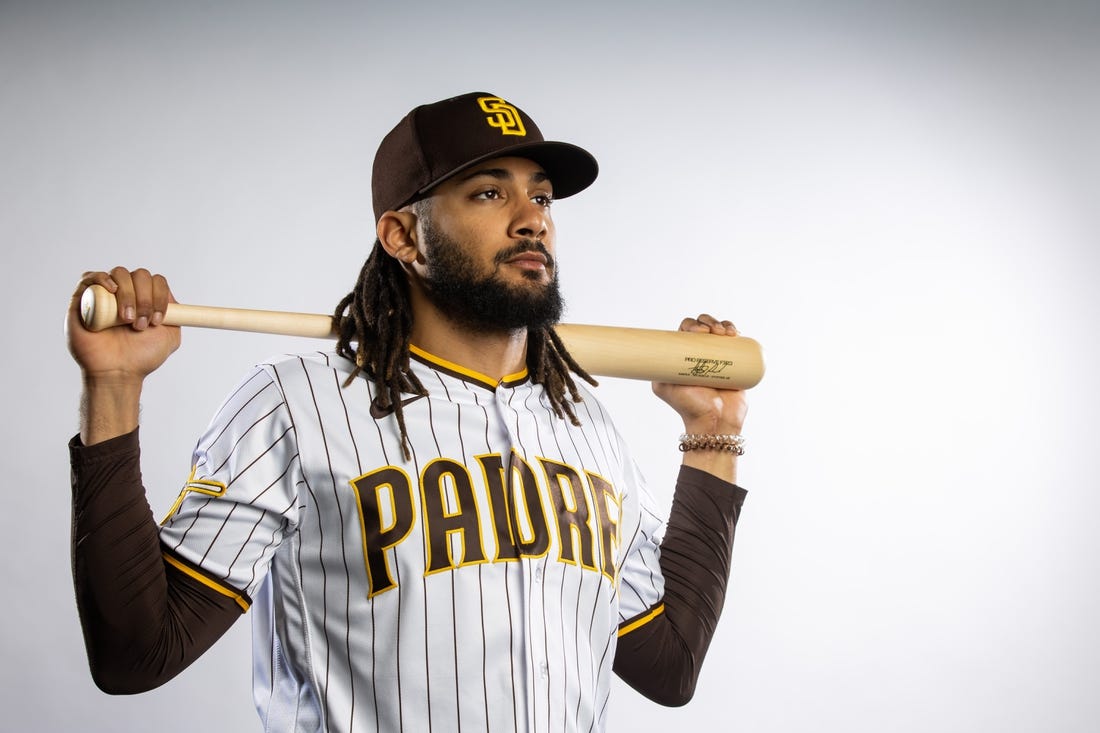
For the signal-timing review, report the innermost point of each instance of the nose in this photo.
(530, 221)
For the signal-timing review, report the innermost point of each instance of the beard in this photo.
(487, 302)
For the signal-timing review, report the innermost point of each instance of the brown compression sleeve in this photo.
(144, 621)
(661, 658)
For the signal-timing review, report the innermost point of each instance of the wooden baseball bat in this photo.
(681, 357)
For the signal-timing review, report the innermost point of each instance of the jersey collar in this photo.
(457, 370)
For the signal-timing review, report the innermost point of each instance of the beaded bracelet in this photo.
(705, 441)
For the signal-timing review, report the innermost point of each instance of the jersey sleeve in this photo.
(241, 499)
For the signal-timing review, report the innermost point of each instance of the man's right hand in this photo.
(115, 362)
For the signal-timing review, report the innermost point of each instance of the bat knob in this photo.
(98, 309)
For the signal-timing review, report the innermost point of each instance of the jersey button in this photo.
(538, 575)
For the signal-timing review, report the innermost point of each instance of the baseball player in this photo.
(436, 526)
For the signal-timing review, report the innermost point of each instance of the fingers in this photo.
(142, 297)
(706, 323)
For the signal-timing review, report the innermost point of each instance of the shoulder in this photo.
(316, 360)
(309, 365)
(282, 376)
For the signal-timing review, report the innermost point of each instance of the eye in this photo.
(489, 194)
(543, 199)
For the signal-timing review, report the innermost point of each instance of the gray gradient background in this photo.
(900, 203)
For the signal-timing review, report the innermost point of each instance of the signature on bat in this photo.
(701, 367)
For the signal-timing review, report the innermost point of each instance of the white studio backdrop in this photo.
(899, 203)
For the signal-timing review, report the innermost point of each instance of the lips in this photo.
(528, 255)
(531, 258)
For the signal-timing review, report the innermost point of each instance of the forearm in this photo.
(109, 407)
(143, 621)
(720, 464)
(662, 658)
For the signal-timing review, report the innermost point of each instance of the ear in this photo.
(397, 233)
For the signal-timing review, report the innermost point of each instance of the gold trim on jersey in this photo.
(642, 620)
(206, 487)
(208, 582)
(460, 370)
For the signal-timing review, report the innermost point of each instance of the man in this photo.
(438, 527)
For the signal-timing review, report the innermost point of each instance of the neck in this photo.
(496, 354)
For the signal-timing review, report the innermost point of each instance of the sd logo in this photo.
(502, 115)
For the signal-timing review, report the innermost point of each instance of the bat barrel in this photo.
(681, 357)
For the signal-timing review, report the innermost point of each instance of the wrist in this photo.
(722, 442)
(715, 453)
(112, 381)
(711, 426)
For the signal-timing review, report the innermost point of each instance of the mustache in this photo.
(521, 247)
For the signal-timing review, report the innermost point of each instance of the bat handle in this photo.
(99, 310)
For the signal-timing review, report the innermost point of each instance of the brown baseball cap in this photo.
(435, 141)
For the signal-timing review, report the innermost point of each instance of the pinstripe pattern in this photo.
(463, 590)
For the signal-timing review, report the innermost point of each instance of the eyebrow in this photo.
(502, 174)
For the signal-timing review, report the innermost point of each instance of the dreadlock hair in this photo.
(373, 324)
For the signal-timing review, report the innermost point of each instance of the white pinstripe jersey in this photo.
(477, 587)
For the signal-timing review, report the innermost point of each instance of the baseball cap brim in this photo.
(571, 168)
